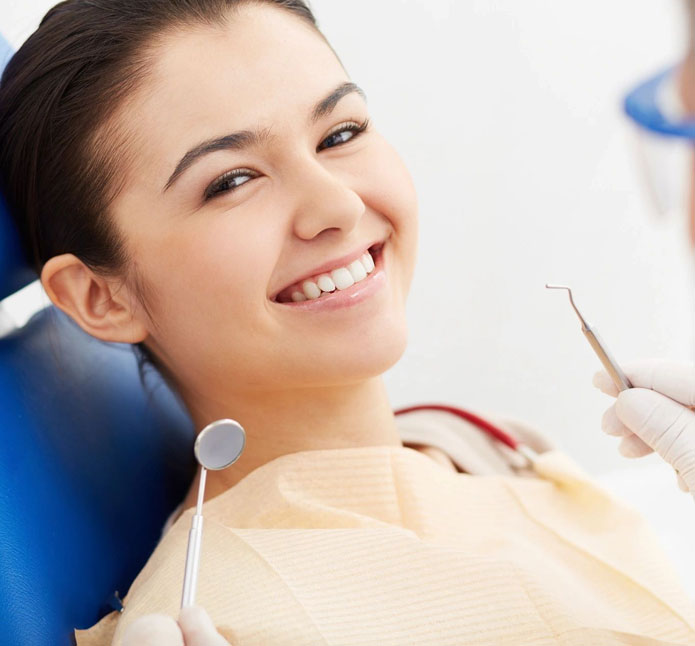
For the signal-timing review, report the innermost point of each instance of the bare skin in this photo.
(687, 82)
(687, 90)
(296, 381)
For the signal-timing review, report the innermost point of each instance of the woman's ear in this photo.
(102, 307)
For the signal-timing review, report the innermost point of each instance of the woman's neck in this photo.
(279, 423)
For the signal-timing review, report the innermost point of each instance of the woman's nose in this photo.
(325, 200)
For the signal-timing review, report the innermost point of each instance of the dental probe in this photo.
(592, 335)
(217, 446)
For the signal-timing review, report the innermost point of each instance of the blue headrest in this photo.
(89, 471)
(15, 270)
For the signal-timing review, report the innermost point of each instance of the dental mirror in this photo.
(217, 446)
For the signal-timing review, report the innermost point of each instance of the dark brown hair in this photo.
(60, 154)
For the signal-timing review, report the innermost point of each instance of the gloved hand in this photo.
(655, 414)
(194, 628)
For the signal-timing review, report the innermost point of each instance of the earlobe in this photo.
(101, 306)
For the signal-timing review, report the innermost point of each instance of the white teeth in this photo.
(368, 262)
(325, 283)
(311, 289)
(356, 268)
(342, 278)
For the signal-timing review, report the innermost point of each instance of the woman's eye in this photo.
(228, 182)
(345, 133)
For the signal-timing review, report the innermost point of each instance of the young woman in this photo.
(201, 178)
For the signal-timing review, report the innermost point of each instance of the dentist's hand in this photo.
(655, 414)
(194, 628)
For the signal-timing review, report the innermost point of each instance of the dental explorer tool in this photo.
(217, 446)
(591, 333)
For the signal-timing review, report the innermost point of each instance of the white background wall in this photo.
(508, 115)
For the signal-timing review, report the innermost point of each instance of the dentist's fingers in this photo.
(198, 629)
(675, 379)
(663, 424)
(633, 447)
(611, 425)
(604, 383)
(153, 630)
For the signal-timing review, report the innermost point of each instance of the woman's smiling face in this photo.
(216, 234)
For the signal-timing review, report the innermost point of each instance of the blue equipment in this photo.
(642, 106)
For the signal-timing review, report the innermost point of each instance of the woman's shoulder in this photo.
(473, 449)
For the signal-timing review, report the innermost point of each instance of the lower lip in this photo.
(353, 295)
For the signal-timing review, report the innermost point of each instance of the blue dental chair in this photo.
(91, 465)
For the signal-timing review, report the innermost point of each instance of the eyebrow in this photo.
(244, 139)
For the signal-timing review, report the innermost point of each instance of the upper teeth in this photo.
(340, 278)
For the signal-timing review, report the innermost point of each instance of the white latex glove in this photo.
(194, 628)
(655, 414)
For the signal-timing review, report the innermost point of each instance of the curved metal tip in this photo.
(569, 291)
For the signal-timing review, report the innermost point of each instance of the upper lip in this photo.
(342, 261)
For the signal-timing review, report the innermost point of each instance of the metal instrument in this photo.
(599, 347)
(218, 445)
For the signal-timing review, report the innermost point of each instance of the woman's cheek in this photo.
(389, 191)
(390, 188)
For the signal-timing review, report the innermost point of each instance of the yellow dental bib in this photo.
(383, 546)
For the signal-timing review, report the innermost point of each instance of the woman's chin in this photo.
(361, 358)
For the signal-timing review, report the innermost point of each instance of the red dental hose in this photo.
(484, 425)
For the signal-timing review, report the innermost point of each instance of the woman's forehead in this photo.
(264, 66)
(260, 57)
